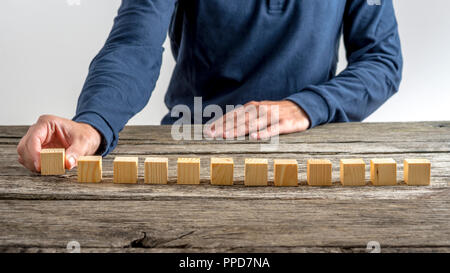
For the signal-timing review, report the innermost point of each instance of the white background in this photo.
(47, 45)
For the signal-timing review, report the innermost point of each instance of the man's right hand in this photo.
(54, 132)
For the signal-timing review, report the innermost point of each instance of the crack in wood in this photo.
(152, 242)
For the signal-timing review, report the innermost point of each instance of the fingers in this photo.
(29, 148)
(29, 159)
(20, 160)
(219, 127)
(79, 147)
(238, 122)
(33, 152)
(248, 120)
(266, 133)
(264, 119)
(54, 132)
(279, 128)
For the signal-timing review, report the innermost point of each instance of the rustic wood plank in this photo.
(272, 249)
(58, 188)
(16, 182)
(237, 225)
(44, 213)
(337, 132)
(404, 148)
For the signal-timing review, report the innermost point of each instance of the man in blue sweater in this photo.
(250, 52)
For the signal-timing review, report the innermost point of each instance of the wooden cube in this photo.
(417, 172)
(255, 170)
(188, 170)
(318, 172)
(383, 172)
(353, 172)
(156, 170)
(285, 172)
(126, 170)
(53, 161)
(222, 171)
(89, 169)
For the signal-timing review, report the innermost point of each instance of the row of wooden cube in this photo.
(352, 171)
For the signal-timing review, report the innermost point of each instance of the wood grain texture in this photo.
(226, 225)
(222, 170)
(383, 172)
(156, 170)
(256, 171)
(285, 172)
(352, 172)
(319, 172)
(126, 169)
(89, 169)
(53, 161)
(42, 213)
(188, 170)
(417, 172)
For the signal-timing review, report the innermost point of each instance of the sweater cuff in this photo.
(96, 121)
(313, 104)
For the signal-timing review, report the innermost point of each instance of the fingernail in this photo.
(71, 162)
(36, 165)
(253, 135)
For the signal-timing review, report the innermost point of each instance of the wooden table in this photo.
(45, 213)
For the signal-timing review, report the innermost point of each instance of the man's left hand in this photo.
(263, 119)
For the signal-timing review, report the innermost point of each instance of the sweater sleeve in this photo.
(374, 67)
(123, 75)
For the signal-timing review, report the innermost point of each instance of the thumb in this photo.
(75, 150)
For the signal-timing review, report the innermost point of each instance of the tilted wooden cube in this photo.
(353, 172)
(255, 170)
(222, 171)
(156, 170)
(285, 172)
(188, 170)
(126, 170)
(417, 172)
(89, 169)
(53, 161)
(383, 172)
(318, 172)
